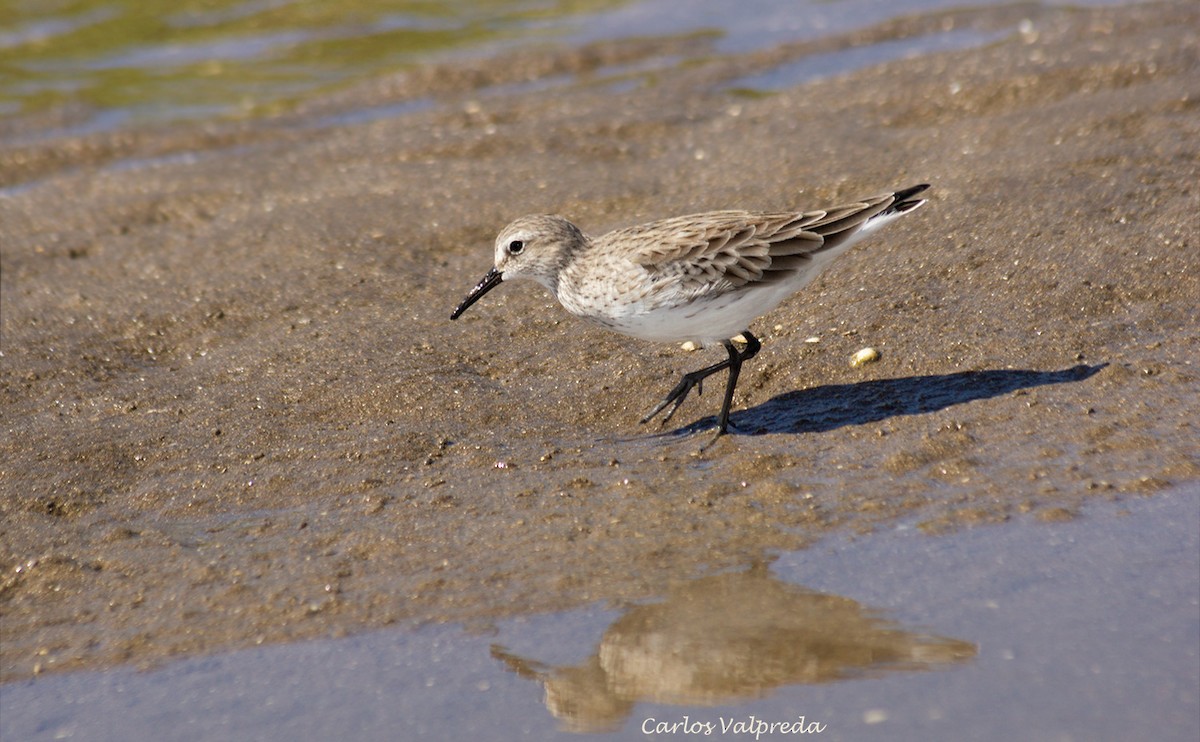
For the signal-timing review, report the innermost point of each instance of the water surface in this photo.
(1063, 631)
(103, 64)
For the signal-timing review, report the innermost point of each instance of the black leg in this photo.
(735, 367)
(681, 390)
(696, 379)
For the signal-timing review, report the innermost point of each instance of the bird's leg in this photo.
(681, 390)
(736, 358)
(696, 378)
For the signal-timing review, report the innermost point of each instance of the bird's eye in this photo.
(515, 247)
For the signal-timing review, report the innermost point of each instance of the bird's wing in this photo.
(722, 250)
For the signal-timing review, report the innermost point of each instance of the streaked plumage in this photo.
(701, 277)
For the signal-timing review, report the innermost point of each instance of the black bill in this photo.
(489, 282)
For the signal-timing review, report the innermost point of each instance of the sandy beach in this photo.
(235, 411)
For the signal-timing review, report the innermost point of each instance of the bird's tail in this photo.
(843, 225)
(904, 201)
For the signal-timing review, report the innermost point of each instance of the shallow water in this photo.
(102, 65)
(986, 634)
(840, 62)
(163, 61)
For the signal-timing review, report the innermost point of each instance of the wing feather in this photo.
(740, 247)
(718, 251)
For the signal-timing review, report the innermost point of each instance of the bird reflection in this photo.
(727, 638)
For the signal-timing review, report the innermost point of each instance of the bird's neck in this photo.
(570, 267)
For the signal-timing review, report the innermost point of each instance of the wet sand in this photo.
(235, 411)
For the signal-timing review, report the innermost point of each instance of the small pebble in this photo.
(863, 357)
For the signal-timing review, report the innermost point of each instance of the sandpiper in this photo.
(702, 277)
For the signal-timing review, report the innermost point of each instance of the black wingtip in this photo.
(908, 193)
(906, 200)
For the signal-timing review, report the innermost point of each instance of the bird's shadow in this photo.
(830, 407)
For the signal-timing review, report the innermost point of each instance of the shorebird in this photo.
(701, 277)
